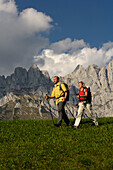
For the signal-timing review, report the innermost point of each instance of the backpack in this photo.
(67, 98)
(88, 99)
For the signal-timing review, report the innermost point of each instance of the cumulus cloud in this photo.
(62, 57)
(8, 6)
(68, 45)
(35, 21)
(20, 35)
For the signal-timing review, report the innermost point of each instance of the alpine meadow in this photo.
(38, 144)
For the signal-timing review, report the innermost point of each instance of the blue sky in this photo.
(57, 35)
(91, 20)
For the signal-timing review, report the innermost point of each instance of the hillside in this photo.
(38, 144)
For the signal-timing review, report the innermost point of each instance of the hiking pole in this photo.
(71, 114)
(50, 110)
(70, 111)
(49, 106)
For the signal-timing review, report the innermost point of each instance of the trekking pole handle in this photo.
(77, 105)
(47, 96)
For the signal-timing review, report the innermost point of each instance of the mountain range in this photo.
(22, 93)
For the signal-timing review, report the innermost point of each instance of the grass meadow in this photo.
(38, 144)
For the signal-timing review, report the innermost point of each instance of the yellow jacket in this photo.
(58, 93)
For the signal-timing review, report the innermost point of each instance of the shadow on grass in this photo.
(84, 121)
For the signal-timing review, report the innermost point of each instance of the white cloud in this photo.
(68, 45)
(35, 21)
(8, 6)
(62, 57)
(20, 35)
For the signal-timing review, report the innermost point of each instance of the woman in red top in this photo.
(83, 105)
(82, 94)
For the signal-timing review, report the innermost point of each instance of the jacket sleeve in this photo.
(63, 87)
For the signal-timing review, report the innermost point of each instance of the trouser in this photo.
(62, 114)
(87, 108)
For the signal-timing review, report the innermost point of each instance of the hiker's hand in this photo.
(63, 100)
(77, 105)
(47, 97)
(78, 96)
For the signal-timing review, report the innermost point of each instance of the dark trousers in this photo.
(62, 114)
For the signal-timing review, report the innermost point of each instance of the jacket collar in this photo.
(57, 84)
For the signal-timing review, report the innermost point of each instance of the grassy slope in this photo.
(39, 145)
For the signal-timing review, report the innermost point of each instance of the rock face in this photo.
(22, 93)
(25, 82)
(26, 107)
(23, 107)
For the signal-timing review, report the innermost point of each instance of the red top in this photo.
(81, 93)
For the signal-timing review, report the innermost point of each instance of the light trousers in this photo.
(87, 108)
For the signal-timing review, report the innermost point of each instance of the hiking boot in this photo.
(69, 124)
(57, 125)
(75, 127)
(96, 123)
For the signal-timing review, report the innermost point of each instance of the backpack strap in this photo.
(84, 89)
(61, 87)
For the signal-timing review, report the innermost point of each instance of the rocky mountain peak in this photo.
(110, 64)
(44, 72)
(23, 81)
(93, 67)
(19, 70)
(35, 66)
(20, 75)
(79, 67)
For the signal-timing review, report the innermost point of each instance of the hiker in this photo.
(60, 93)
(84, 104)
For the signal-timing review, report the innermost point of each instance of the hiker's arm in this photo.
(52, 95)
(65, 97)
(49, 97)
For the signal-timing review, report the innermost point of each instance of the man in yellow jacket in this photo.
(60, 94)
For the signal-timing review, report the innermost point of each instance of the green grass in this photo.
(39, 145)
